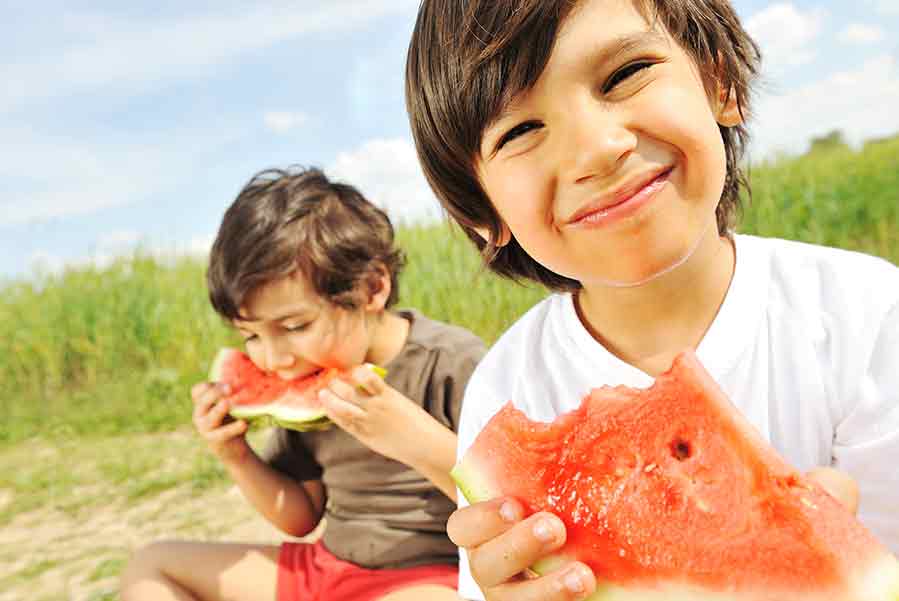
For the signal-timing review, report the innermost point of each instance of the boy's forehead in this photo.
(278, 299)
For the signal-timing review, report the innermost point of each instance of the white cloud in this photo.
(785, 34)
(281, 122)
(85, 176)
(118, 239)
(130, 53)
(859, 33)
(116, 245)
(885, 7)
(861, 103)
(387, 172)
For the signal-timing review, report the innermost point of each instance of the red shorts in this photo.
(309, 572)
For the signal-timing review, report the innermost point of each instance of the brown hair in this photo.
(297, 219)
(469, 58)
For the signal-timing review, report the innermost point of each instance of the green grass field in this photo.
(92, 353)
(94, 359)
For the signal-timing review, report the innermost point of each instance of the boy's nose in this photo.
(597, 143)
(277, 356)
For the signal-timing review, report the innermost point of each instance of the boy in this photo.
(306, 270)
(594, 146)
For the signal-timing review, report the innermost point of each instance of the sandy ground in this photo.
(51, 555)
(80, 560)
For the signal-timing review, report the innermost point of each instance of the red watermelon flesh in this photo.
(670, 493)
(256, 393)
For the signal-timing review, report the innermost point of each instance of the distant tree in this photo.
(829, 141)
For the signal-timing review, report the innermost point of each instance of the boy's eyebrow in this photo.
(291, 312)
(626, 44)
(610, 51)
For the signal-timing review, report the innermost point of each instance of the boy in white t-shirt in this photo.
(594, 147)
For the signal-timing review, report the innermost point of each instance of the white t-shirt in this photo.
(806, 344)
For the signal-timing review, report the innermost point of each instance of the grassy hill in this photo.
(96, 352)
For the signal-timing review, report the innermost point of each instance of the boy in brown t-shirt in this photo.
(306, 270)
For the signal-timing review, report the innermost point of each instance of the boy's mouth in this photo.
(289, 376)
(621, 201)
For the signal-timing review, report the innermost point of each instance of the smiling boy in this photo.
(594, 146)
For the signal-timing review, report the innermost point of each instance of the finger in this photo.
(476, 524)
(368, 381)
(204, 403)
(338, 409)
(199, 388)
(839, 484)
(219, 412)
(574, 581)
(344, 390)
(206, 393)
(227, 432)
(500, 559)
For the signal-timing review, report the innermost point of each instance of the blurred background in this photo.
(127, 128)
(126, 124)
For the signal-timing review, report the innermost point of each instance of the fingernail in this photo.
(574, 581)
(543, 531)
(507, 512)
(226, 388)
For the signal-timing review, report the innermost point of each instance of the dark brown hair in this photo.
(469, 58)
(297, 219)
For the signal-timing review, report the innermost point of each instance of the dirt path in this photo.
(48, 554)
(57, 557)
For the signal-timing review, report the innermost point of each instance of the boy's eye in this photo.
(623, 73)
(249, 338)
(295, 327)
(517, 131)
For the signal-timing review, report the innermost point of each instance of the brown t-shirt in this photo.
(381, 513)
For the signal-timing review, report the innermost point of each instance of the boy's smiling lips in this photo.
(620, 201)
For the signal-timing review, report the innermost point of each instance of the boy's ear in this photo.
(379, 288)
(504, 234)
(727, 109)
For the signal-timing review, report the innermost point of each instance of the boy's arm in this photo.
(394, 426)
(293, 507)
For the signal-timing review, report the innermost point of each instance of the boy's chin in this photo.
(643, 267)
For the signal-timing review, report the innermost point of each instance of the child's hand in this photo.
(224, 436)
(501, 544)
(379, 416)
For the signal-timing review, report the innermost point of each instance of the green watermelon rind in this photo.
(301, 420)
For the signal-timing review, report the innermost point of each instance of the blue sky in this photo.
(136, 123)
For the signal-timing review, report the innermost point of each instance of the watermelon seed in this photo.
(680, 449)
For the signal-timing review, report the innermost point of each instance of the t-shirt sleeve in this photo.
(866, 442)
(452, 370)
(284, 450)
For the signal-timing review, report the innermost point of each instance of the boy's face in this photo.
(610, 168)
(292, 332)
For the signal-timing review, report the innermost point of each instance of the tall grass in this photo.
(90, 352)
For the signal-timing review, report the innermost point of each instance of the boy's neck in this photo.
(646, 326)
(389, 332)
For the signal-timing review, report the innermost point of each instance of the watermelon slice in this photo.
(670, 493)
(257, 394)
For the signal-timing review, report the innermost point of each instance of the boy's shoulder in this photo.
(836, 293)
(518, 342)
(823, 271)
(433, 334)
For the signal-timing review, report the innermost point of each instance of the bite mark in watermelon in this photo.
(670, 493)
(257, 394)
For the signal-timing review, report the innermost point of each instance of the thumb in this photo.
(839, 484)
